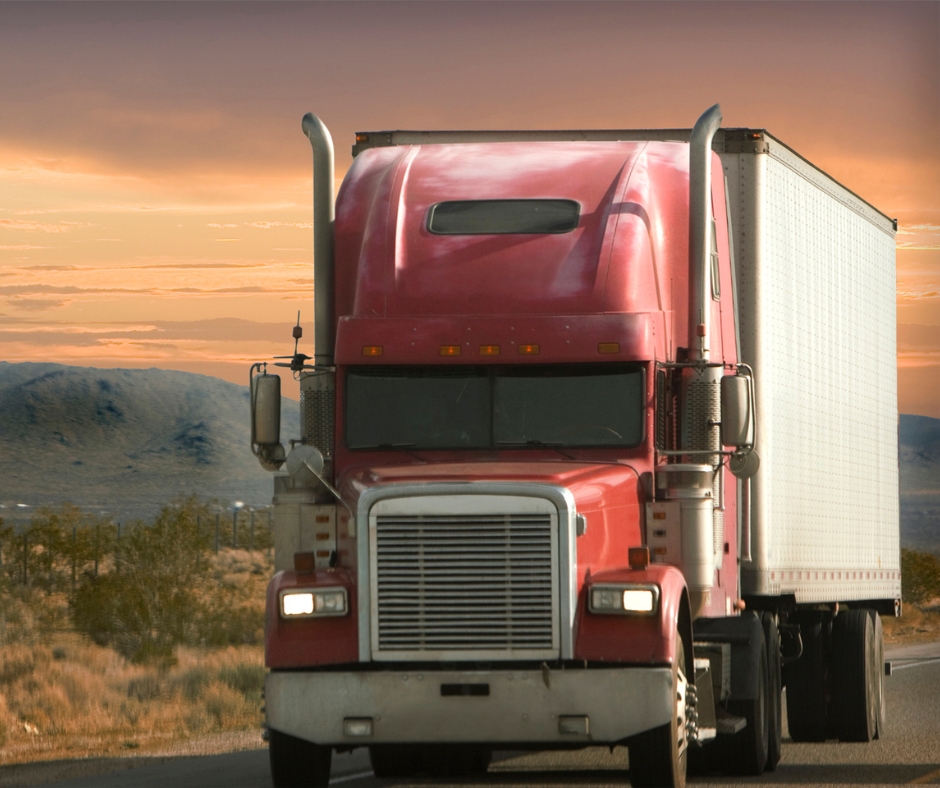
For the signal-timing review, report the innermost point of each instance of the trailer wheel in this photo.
(855, 681)
(774, 691)
(806, 683)
(297, 763)
(748, 748)
(658, 758)
(390, 760)
(879, 670)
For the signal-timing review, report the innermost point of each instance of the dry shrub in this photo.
(914, 625)
(920, 576)
(162, 652)
(92, 693)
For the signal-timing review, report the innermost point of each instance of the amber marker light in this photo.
(372, 350)
(489, 350)
(450, 350)
(608, 347)
(528, 350)
(638, 557)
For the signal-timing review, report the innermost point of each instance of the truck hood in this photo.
(594, 485)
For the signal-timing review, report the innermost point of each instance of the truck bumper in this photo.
(571, 706)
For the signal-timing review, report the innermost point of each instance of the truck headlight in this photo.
(313, 602)
(624, 599)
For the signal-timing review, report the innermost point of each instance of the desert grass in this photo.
(63, 696)
(917, 624)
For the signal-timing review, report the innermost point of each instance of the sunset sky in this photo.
(155, 186)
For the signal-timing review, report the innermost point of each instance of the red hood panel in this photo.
(590, 483)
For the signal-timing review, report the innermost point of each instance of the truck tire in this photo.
(391, 760)
(879, 669)
(747, 749)
(774, 691)
(855, 681)
(659, 758)
(297, 763)
(806, 681)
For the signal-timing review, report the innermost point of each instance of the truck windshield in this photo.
(488, 407)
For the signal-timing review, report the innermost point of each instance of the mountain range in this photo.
(128, 441)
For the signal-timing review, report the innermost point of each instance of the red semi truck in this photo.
(598, 448)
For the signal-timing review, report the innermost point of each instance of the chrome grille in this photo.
(467, 585)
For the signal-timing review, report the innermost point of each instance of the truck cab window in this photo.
(488, 407)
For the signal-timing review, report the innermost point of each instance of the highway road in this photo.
(908, 755)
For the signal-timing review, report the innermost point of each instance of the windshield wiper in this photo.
(537, 444)
(405, 448)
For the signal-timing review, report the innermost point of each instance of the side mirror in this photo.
(737, 411)
(265, 410)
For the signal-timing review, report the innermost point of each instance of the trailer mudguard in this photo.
(745, 634)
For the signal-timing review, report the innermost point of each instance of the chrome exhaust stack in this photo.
(700, 231)
(317, 389)
(324, 214)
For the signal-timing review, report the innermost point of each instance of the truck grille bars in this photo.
(465, 586)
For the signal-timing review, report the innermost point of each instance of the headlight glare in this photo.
(298, 604)
(638, 600)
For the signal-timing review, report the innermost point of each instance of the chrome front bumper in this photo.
(571, 706)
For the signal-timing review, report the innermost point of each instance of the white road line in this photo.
(349, 777)
(915, 663)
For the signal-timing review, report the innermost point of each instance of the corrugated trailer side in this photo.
(816, 285)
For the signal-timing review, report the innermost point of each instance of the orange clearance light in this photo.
(323, 536)
(659, 515)
(372, 350)
(323, 518)
(489, 350)
(608, 347)
(304, 562)
(638, 557)
(362, 138)
(528, 350)
(450, 350)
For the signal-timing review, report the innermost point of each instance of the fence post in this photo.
(270, 537)
(216, 532)
(74, 536)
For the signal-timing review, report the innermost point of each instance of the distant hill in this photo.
(125, 441)
(919, 460)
